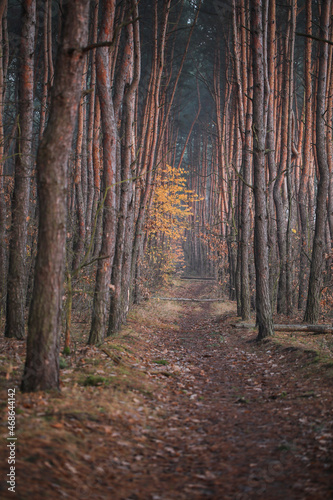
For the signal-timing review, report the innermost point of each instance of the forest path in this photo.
(241, 422)
(192, 409)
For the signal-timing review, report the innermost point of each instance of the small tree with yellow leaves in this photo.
(166, 223)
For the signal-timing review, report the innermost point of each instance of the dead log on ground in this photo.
(318, 329)
(188, 300)
(198, 278)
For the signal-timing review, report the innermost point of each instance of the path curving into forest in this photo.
(218, 416)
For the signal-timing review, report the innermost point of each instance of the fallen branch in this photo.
(196, 278)
(116, 359)
(291, 328)
(315, 38)
(188, 300)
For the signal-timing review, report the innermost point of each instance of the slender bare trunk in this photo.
(42, 362)
(3, 211)
(263, 304)
(117, 306)
(101, 305)
(315, 280)
(17, 273)
(307, 161)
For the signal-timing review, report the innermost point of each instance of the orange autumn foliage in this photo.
(167, 220)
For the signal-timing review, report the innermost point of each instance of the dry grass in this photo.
(226, 307)
(154, 314)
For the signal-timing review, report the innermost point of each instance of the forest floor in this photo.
(179, 405)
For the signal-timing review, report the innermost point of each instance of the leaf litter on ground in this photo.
(171, 412)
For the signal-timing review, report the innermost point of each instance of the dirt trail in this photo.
(242, 423)
(227, 419)
(239, 423)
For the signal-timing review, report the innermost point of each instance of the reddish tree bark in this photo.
(79, 178)
(42, 362)
(101, 306)
(271, 160)
(91, 211)
(96, 219)
(149, 139)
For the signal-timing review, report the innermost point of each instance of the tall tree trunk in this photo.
(263, 304)
(271, 125)
(101, 306)
(46, 82)
(329, 261)
(315, 280)
(289, 249)
(117, 306)
(80, 226)
(241, 123)
(279, 184)
(17, 273)
(150, 140)
(245, 302)
(42, 362)
(96, 216)
(245, 234)
(307, 161)
(90, 213)
(3, 8)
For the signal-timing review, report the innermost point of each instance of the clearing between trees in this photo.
(179, 405)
